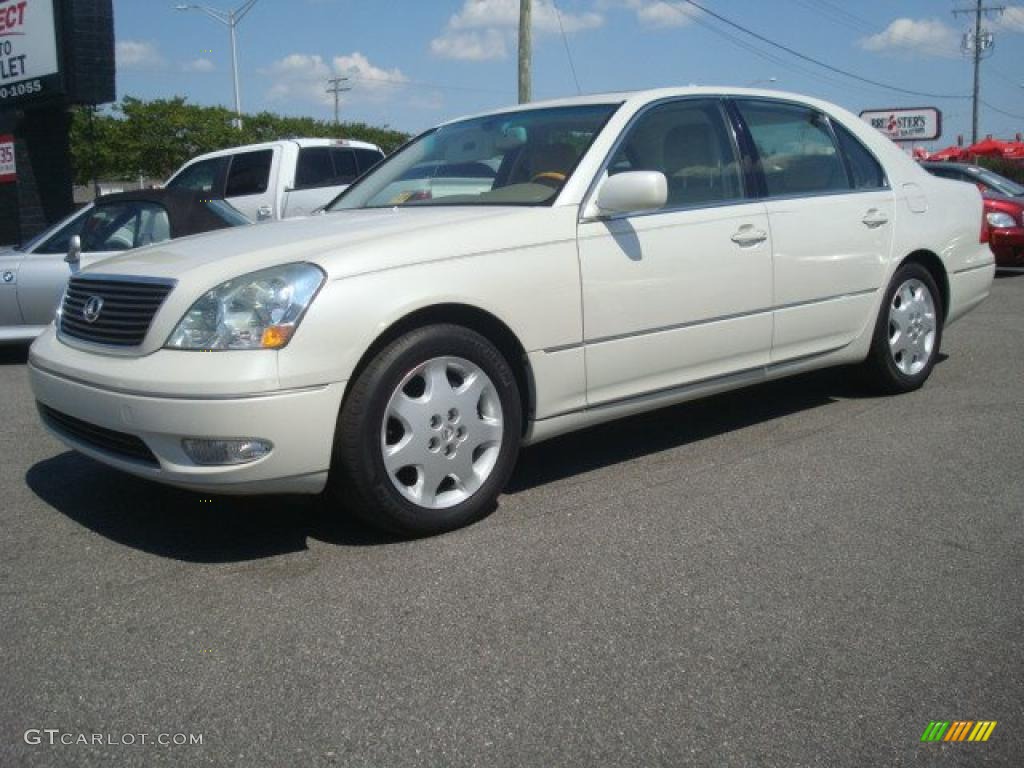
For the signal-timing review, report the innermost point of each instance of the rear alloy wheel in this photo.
(429, 432)
(908, 332)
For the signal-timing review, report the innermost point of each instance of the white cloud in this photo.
(930, 37)
(485, 29)
(138, 54)
(303, 78)
(661, 13)
(474, 45)
(198, 65)
(1012, 19)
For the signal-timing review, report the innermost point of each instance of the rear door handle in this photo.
(748, 235)
(875, 218)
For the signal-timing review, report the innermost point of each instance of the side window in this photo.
(250, 173)
(367, 158)
(315, 168)
(204, 176)
(797, 153)
(110, 228)
(867, 173)
(154, 225)
(688, 142)
(344, 166)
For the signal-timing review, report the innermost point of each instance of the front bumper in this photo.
(1008, 246)
(299, 423)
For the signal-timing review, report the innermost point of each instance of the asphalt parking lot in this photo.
(792, 575)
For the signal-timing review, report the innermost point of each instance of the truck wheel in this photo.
(907, 333)
(428, 434)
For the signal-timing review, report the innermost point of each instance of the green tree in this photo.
(154, 138)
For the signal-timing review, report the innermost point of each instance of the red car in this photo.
(1004, 208)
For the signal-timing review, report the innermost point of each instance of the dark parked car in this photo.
(33, 275)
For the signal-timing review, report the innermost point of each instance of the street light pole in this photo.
(231, 19)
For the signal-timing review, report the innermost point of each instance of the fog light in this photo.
(242, 450)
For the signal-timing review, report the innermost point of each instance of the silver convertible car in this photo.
(33, 275)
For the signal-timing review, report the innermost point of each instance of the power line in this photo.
(565, 40)
(837, 16)
(813, 60)
(1003, 112)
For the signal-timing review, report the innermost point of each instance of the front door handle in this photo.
(875, 218)
(749, 235)
(264, 212)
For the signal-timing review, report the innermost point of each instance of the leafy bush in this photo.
(154, 138)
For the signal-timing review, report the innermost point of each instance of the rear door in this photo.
(251, 186)
(831, 213)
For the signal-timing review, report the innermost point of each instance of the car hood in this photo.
(342, 243)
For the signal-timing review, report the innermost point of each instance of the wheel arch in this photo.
(930, 261)
(475, 319)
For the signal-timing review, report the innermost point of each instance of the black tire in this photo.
(359, 480)
(880, 370)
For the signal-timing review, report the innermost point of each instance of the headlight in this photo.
(1000, 220)
(260, 310)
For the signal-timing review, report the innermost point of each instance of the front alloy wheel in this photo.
(428, 433)
(441, 432)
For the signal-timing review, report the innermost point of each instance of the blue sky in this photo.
(413, 63)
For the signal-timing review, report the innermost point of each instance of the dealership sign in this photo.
(8, 172)
(29, 66)
(917, 124)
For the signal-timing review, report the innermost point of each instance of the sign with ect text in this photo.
(916, 124)
(8, 171)
(29, 66)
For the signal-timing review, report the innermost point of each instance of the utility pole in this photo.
(230, 19)
(334, 85)
(977, 42)
(525, 49)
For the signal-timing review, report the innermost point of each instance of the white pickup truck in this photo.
(279, 179)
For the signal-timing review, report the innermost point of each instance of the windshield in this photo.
(1000, 183)
(516, 158)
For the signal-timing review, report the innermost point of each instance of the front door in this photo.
(682, 294)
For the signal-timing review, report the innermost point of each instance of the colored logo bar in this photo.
(958, 730)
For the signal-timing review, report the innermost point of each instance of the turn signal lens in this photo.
(276, 336)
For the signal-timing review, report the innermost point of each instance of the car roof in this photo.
(301, 142)
(648, 95)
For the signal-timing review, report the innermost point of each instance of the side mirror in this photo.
(74, 250)
(632, 191)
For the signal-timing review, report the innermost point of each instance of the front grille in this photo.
(127, 310)
(119, 444)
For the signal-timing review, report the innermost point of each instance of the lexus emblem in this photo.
(91, 310)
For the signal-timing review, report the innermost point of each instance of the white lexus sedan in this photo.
(582, 260)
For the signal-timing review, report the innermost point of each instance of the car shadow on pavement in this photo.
(184, 525)
(14, 355)
(196, 527)
(679, 425)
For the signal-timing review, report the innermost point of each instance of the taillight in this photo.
(986, 230)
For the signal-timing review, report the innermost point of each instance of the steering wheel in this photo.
(549, 178)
